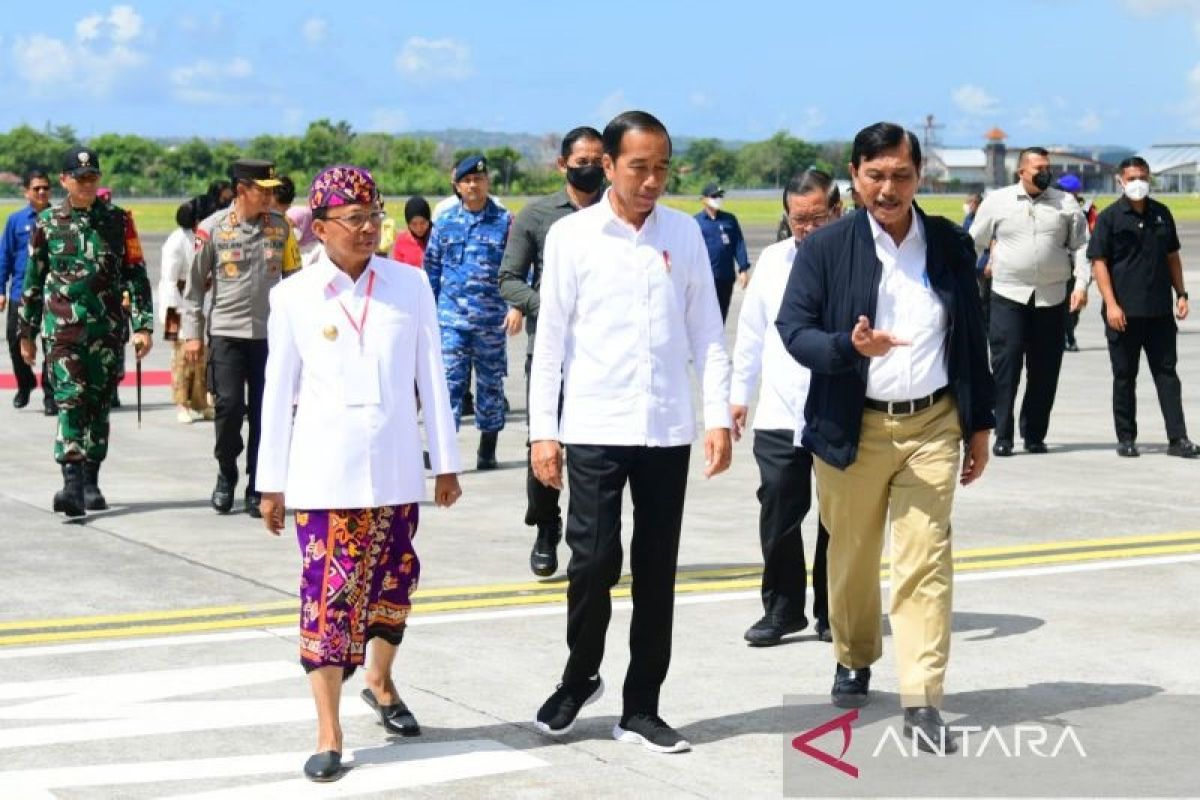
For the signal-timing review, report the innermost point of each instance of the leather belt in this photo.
(906, 406)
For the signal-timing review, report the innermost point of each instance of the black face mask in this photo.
(587, 178)
(1041, 180)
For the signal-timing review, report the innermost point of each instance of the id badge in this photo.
(724, 237)
(360, 383)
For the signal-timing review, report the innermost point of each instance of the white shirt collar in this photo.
(331, 275)
(916, 231)
(610, 218)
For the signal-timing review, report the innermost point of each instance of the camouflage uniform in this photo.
(80, 263)
(463, 265)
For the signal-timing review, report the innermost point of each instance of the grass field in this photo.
(159, 216)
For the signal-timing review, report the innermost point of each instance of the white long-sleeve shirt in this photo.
(622, 313)
(354, 440)
(177, 252)
(759, 349)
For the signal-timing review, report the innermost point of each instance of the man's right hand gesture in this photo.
(873, 343)
(1114, 316)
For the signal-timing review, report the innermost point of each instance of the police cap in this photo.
(256, 170)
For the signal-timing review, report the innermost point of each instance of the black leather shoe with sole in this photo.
(323, 767)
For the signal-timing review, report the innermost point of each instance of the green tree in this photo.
(502, 164)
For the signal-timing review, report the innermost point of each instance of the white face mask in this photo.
(1137, 190)
(713, 202)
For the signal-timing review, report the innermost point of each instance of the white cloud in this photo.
(810, 123)
(611, 105)
(1035, 118)
(105, 48)
(422, 58)
(974, 100)
(209, 83)
(699, 99)
(388, 120)
(1090, 122)
(1147, 7)
(314, 30)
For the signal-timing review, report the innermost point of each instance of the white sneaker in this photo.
(184, 417)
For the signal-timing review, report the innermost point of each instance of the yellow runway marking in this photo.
(510, 595)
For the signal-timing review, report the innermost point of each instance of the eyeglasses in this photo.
(39, 188)
(813, 220)
(358, 220)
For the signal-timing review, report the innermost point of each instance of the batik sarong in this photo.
(359, 571)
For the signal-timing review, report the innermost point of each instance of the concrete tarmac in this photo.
(150, 650)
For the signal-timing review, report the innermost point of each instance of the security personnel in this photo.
(83, 257)
(241, 253)
(463, 265)
(726, 246)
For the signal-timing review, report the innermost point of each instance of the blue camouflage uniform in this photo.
(463, 265)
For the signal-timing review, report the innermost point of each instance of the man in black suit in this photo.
(883, 308)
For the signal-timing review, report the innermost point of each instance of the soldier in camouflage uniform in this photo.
(84, 255)
(241, 253)
(462, 261)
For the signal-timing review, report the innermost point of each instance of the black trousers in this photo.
(541, 500)
(724, 295)
(26, 379)
(1072, 316)
(985, 298)
(236, 374)
(784, 497)
(657, 478)
(1022, 335)
(1156, 336)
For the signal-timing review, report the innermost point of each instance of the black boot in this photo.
(253, 499)
(70, 499)
(93, 500)
(543, 560)
(487, 451)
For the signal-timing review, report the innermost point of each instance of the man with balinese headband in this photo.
(349, 337)
(1135, 257)
(1037, 236)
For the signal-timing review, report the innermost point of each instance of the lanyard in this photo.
(360, 326)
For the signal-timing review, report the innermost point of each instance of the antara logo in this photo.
(843, 723)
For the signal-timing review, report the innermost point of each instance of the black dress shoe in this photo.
(824, 632)
(1002, 448)
(222, 494)
(50, 408)
(1127, 450)
(1036, 447)
(21, 398)
(543, 559)
(1071, 347)
(1183, 448)
(934, 736)
(851, 687)
(323, 767)
(252, 500)
(395, 718)
(768, 631)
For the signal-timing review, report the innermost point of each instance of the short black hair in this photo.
(285, 192)
(216, 187)
(812, 180)
(1133, 161)
(1032, 151)
(627, 121)
(578, 134)
(31, 175)
(185, 215)
(874, 139)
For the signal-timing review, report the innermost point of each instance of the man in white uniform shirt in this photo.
(627, 300)
(1038, 237)
(810, 199)
(883, 308)
(350, 337)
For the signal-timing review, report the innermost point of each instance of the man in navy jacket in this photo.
(883, 308)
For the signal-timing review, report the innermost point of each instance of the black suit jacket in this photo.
(834, 280)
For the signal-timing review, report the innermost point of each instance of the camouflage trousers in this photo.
(84, 374)
(485, 350)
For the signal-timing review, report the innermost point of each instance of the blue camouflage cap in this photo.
(469, 165)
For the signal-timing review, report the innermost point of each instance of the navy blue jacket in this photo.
(834, 280)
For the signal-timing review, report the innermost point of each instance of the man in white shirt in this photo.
(883, 308)
(1038, 236)
(627, 300)
(810, 199)
(350, 336)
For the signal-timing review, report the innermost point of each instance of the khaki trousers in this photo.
(906, 470)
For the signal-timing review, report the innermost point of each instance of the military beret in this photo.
(253, 169)
(469, 165)
(81, 161)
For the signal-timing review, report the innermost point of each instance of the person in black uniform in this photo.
(1135, 259)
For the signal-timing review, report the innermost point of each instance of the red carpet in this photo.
(150, 377)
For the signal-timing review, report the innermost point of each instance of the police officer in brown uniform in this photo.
(241, 253)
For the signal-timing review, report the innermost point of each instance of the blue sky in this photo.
(1046, 71)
